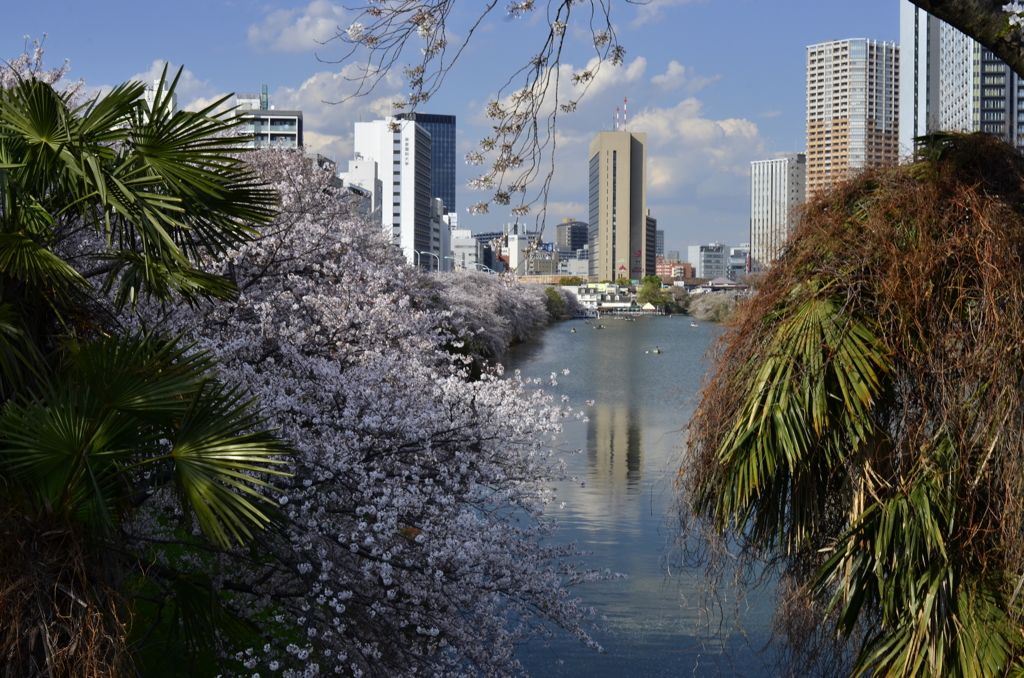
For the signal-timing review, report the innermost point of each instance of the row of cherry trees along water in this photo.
(237, 423)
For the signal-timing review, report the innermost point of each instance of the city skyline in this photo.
(709, 105)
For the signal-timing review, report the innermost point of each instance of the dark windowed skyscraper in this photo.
(442, 153)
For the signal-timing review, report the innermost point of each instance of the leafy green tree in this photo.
(650, 291)
(860, 432)
(102, 204)
(554, 303)
(570, 280)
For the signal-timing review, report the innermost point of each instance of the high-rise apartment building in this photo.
(619, 222)
(401, 149)
(953, 83)
(852, 109)
(442, 154)
(268, 127)
(777, 188)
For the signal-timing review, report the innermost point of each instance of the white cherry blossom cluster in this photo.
(1016, 12)
(412, 538)
(29, 66)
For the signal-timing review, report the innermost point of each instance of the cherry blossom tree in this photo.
(412, 536)
(490, 315)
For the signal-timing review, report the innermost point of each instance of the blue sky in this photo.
(713, 83)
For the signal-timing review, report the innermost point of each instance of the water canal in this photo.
(619, 507)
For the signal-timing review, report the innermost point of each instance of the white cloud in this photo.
(652, 10)
(193, 94)
(329, 104)
(199, 103)
(334, 146)
(328, 127)
(681, 77)
(687, 149)
(560, 209)
(299, 30)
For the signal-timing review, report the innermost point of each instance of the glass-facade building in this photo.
(442, 154)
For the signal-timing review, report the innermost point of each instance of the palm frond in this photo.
(217, 461)
(809, 407)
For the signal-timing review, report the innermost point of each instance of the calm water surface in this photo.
(630, 451)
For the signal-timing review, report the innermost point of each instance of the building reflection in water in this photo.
(614, 446)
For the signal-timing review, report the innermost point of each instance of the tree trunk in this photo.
(986, 22)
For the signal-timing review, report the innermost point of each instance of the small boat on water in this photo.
(656, 350)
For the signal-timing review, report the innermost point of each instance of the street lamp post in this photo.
(489, 270)
(431, 254)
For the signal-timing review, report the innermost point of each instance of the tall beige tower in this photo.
(619, 243)
(852, 109)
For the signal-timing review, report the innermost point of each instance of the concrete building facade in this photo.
(777, 189)
(267, 126)
(709, 261)
(442, 154)
(408, 214)
(619, 241)
(953, 83)
(852, 109)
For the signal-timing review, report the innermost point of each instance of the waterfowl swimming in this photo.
(573, 330)
(656, 350)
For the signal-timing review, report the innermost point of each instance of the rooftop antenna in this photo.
(616, 128)
(623, 114)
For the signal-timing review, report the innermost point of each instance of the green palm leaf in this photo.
(809, 407)
(216, 458)
(121, 406)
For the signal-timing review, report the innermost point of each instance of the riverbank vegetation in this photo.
(717, 307)
(860, 434)
(490, 313)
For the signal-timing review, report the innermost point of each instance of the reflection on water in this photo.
(614, 451)
(620, 508)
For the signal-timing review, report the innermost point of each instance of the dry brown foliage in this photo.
(933, 252)
(58, 618)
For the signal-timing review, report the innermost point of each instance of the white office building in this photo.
(709, 261)
(266, 125)
(363, 175)
(467, 251)
(401, 149)
(953, 83)
(171, 102)
(777, 189)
